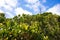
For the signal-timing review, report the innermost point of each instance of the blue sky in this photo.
(15, 7)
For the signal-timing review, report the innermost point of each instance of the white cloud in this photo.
(55, 9)
(21, 11)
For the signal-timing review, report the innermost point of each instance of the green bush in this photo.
(44, 26)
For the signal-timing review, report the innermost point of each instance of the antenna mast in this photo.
(40, 10)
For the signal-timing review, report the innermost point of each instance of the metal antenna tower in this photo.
(40, 11)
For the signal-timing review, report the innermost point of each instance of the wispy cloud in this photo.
(55, 9)
(12, 3)
(8, 15)
(31, 1)
(36, 5)
(9, 7)
(43, 1)
(21, 11)
(1, 11)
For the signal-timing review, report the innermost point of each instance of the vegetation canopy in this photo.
(44, 26)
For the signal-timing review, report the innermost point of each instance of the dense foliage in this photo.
(44, 26)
